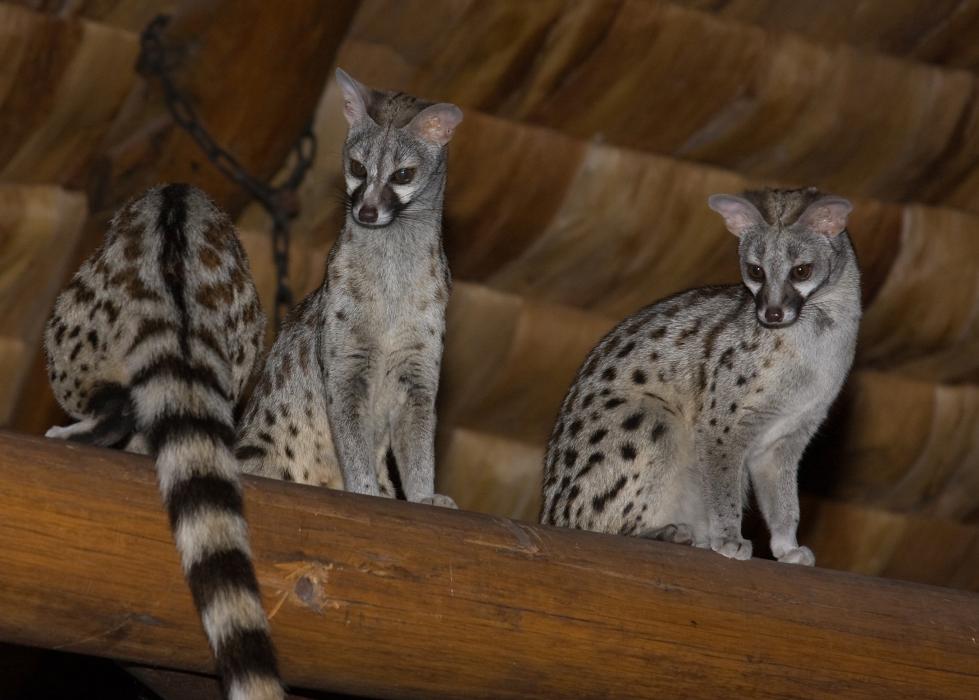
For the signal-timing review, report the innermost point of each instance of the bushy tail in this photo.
(182, 393)
(190, 430)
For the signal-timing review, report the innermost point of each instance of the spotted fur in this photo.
(687, 400)
(149, 348)
(347, 396)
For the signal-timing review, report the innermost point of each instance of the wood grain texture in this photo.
(904, 445)
(769, 104)
(253, 72)
(39, 227)
(878, 542)
(941, 31)
(62, 83)
(131, 15)
(460, 604)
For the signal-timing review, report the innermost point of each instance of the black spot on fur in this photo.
(609, 374)
(657, 333)
(570, 457)
(734, 407)
(626, 349)
(638, 376)
(599, 502)
(628, 451)
(633, 422)
(686, 333)
(597, 436)
(726, 358)
(657, 432)
(593, 459)
(586, 402)
(612, 403)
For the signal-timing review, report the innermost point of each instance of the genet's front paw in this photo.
(738, 548)
(56, 431)
(440, 500)
(799, 555)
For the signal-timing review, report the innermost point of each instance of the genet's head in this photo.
(395, 150)
(788, 242)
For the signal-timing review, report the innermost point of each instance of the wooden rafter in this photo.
(387, 599)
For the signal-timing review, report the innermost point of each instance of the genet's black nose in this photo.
(774, 314)
(368, 215)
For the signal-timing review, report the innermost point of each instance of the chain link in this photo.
(281, 203)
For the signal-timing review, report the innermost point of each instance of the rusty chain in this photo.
(281, 202)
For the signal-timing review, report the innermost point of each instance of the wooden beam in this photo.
(388, 599)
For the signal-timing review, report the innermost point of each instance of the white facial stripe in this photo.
(405, 192)
(805, 288)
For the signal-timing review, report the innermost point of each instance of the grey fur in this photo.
(347, 398)
(685, 401)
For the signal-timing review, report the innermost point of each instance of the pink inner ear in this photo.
(828, 218)
(348, 108)
(739, 214)
(433, 130)
(436, 124)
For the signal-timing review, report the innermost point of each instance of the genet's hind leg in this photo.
(113, 422)
(679, 534)
(68, 431)
(439, 499)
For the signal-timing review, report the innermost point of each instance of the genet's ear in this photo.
(435, 124)
(827, 215)
(739, 214)
(355, 97)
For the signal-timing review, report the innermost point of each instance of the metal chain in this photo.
(281, 203)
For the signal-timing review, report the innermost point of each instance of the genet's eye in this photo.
(403, 176)
(756, 273)
(800, 273)
(357, 168)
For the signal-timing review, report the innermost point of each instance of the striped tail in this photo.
(181, 390)
(191, 434)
